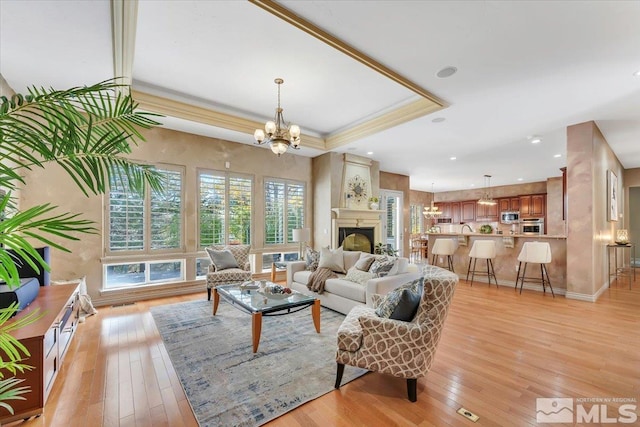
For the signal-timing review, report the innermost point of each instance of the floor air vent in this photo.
(123, 304)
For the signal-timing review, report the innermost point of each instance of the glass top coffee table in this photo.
(250, 298)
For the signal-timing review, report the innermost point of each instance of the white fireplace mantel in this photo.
(343, 213)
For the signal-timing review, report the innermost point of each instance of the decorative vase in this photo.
(374, 206)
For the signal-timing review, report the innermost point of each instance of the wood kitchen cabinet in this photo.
(468, 211)
(445, 208)
(455, 213)
(487, 212)
(533, 206)
(509, 204)
(47, 340)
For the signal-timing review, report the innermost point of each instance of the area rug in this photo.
(226, 383)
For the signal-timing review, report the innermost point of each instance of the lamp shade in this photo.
(301, 234)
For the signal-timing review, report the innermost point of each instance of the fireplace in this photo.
(356, 238)
(356, 229)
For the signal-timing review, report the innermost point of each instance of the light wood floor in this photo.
(499, 352)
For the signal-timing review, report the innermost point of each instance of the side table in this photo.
(621, 271)
(277, 266)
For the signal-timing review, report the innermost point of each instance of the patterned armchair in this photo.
(394, 347)
(230, 275)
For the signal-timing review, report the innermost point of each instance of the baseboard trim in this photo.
(132, 295)
(511, 284)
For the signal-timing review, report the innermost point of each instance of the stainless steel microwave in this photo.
(509, 217)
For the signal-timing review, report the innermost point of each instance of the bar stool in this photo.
(537, 253)
(443, 247)
(482, 249)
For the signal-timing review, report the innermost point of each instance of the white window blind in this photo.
(133, 216)
(166, 212)
(225, 209)
(126, 216)
(284, 210)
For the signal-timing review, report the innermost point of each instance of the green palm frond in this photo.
(86, 130)
(9, 390)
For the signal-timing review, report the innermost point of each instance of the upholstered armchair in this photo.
(221, 274)
(395, 347)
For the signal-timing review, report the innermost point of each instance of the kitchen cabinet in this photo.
(445, 208)
(487, 212)
(509, 204)
(455, 213)
(533, 206)
(468, 211)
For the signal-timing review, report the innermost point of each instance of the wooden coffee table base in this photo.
(256, 319)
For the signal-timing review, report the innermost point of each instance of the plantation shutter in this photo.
(274, 200)
(212, 209)
(126, 216)
(166, 212)
(240, 210)
(225, 209)
(295, 208)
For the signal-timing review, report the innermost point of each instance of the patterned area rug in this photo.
(226, 383)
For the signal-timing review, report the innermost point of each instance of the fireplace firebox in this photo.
(356, 238)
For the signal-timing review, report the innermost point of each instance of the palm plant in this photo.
(87, 131)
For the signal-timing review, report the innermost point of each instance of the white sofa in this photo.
(342, 295)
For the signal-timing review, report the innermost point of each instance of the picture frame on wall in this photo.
(612, 196)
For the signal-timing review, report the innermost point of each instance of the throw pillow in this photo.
(402, 303)
(312, 258)
(332, 259)
(395, 267)
(358, 276)
(381, 268)
(365, 261)
(222, 260)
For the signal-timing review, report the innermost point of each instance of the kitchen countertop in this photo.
(529, 236)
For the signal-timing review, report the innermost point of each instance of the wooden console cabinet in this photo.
(47, 340)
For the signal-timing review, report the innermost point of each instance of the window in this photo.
(143, 273)
(283, 211)
(224, 209)
(416, 219)
(146, 223)
(271, 257)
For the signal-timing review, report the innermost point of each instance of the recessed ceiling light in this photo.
(452, 158)
(438, 120)
(557, 155)
(637, 73)
(352, 148)
(369, 152)
(472, 185)
(534, 139)
(446, 72)
(519, 179)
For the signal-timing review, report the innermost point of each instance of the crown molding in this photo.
(182, 110)
(411, 111)
(124, 18)
(297, 21)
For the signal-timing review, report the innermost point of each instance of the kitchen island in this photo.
(508, 247)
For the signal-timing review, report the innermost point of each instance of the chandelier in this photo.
(486, 199)
(278, 134)
(431, 211)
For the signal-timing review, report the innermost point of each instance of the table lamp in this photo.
(301, 235)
